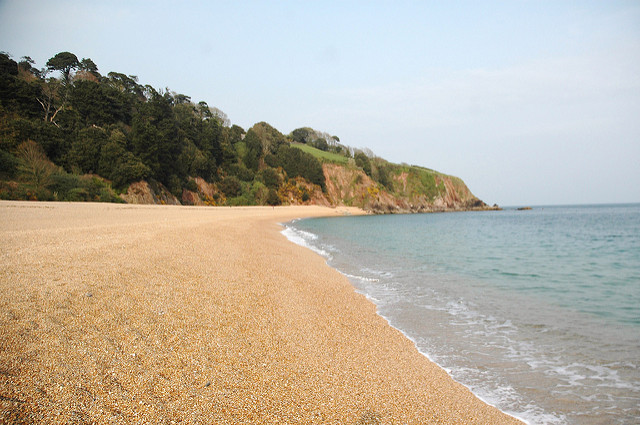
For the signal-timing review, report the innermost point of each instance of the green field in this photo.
(322, 155)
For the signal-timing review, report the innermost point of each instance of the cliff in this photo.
(410, 190)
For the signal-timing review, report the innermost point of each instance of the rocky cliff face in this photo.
(352, 187)
(412, 191)
(144, 192)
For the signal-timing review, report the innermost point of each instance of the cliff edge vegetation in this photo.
(70, 133)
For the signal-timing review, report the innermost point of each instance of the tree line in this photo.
(68, 132)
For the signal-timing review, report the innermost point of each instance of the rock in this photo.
(151, 192)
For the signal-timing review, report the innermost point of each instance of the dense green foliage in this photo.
(84, 123)
(363, 162)
(69, 133)
(300, 164)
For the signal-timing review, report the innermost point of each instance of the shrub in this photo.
(72, 187)
(258, 192)
(273, 198)
(8, 164)
(244, 199)
(271, 160)
(63, 183)
(242, 172)
(362, 161)
(78, 194)
(297, 163)
(231, 186)
(321, 144)
(191, 185)
(34, 166)
(383, 177)
(270, 178)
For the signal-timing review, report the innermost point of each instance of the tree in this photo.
(88, 70)
(180, 99)
(154, 137)
(272, 198)
(235, 134)
(196, 163)
(254, 149)
(87, 65)
(86, 149)
(34, 165)
(321, 144)
(270, 138)
(298, 163)
(363, 162)
(220, 116)
(270, 178)
(26, 65)
(203, 110)
(125, 131)
(64, 62)
(97, 103)
(49, 99)
(231, 186)
(127, 84)
(55, 94)
(17, 94)
(54, 140)
(302, 135)
(210, 137)
(7, 65)
(383, 178)
(119, 165)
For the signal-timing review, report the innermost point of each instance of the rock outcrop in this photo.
(149, 192)
(414, 191)
(352, 187)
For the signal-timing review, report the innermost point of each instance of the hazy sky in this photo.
(529, 102)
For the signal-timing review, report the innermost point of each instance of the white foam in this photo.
(307, 235)
(384, 274)
(361, 278)
(302, 238)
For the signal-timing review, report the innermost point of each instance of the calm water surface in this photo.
(538, 312)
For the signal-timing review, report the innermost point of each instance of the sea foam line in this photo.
(302, 238)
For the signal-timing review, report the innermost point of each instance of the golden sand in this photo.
(148, 314)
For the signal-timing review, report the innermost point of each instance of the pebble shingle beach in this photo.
(162, 314)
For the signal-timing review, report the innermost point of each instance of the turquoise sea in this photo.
(537, 312)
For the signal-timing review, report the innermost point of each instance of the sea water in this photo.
(537, 312)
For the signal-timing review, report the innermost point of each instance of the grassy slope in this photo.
(410, 182)
(322, 155)
(419, 182)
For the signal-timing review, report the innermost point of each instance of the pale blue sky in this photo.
(529, 102)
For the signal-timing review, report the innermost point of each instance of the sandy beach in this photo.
(155, 314)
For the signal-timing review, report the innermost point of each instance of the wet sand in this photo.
(157, 314)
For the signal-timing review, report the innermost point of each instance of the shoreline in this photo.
(207, 315)
(304, 244)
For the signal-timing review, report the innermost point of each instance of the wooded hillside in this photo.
(70, 133)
